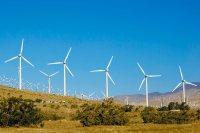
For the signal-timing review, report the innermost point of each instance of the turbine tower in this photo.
(183, 81)
(64, 70)
(20, 56)
(48, 79)
(145, 77)
(107, 75)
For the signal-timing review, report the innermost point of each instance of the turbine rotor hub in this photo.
(106, 70)
(146, 76)
(183, 80)
(20, 55)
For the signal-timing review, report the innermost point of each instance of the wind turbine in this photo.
(68, 92)
(36, 86)
(16, 85)
(23, 85)
(44, 89)
(4, 80)
(59, 91)
(183, 81)
(48, 78)
(126, 99)
(20, 56)
(75, 94)
(13, 82)
(90, 95)
(64, 70)
(97, 97)
(107, 75)
(145, 77)
(28, 85)
(1, 81)
(52, 89)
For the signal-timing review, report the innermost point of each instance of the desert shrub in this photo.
(57, 107)
(38, 100)
(105, 113)
(44, 105)
(163, 109)
(182, 106)
(136, 109)
(135, 116)
(19, 112)
(74, 106)
(52, 106)
(148, 109)
(51, 116)
(127, 108)
(198, 114)
(169, 117)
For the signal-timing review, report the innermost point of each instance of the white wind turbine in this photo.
(20, 56)
(183, 81)
(36, 86)
(64, 70)
(28, 84)
(59, 91)
(90, 95)
(1, 80)
(52, 89)
(68, 92)
(126, 99)
(107, 75)
(146, 82)
(48, 78)
(5, 80)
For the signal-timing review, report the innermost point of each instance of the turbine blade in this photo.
(11, 59)
(109, 62)
(141, 83)
(27, 61)
(181, 72)
(67, 54)
(154, 75)
(92, 93)
(54, 74)
(111, 78)
(177, 86)
(22, 46)
(55, 63)
(15, 64)
(141, 68)
(98, 71)
(103, 94)
(69, 71)
(44, 73)
(190, 83)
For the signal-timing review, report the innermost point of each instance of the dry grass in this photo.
(135, 124)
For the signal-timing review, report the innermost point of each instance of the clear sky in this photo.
(160, 35)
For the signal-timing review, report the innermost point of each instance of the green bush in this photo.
(163, 109)
(74, 106)
(182, 106)
(101, 114)
(51, 116)
(127, 108)
(169, 117)
(52, 106)
(38, 100)
(19, 112)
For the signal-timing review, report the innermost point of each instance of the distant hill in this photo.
(153, 95)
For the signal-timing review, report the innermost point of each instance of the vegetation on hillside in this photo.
(105, 113)
(19, 112)
(172, 105)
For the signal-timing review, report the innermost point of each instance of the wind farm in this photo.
(99, 66)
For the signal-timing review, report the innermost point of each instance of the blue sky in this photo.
(160, 35)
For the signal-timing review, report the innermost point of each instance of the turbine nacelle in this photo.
(106, 70)
(145, 76)
(183, 80)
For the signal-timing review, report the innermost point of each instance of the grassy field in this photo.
(67, 126)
